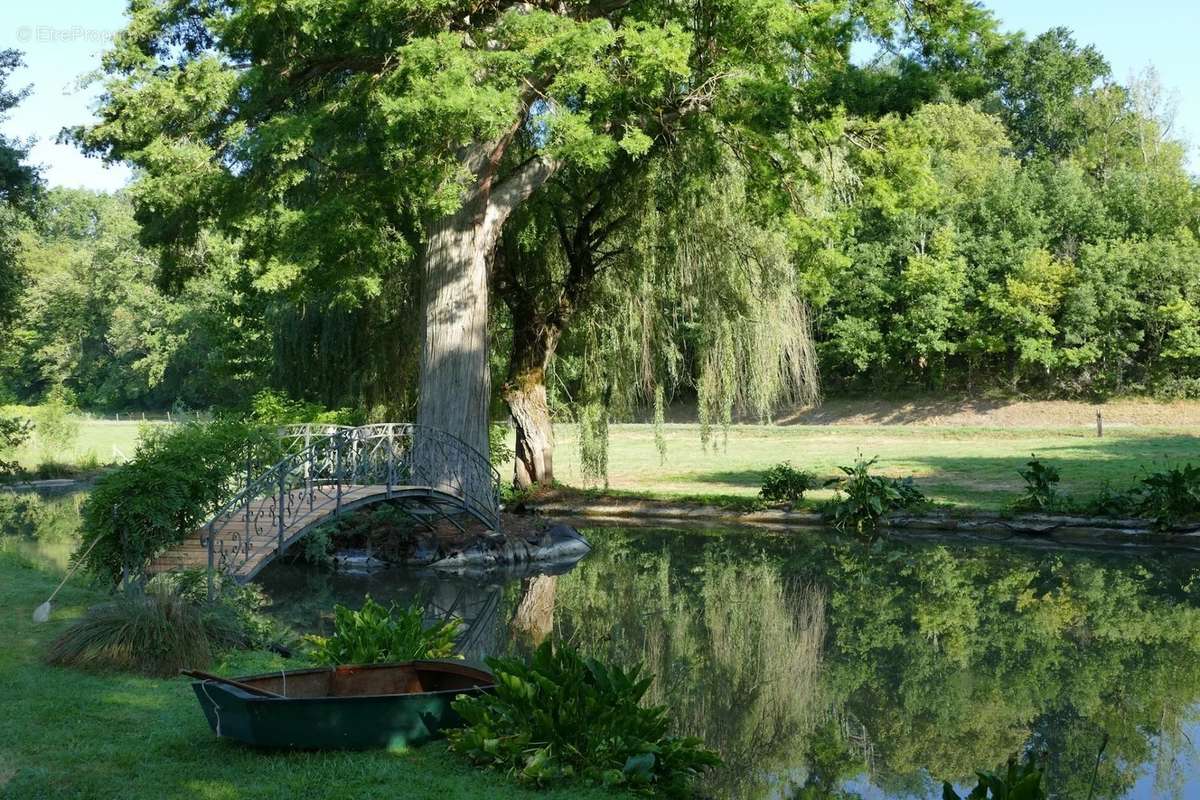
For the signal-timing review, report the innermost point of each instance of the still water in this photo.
(823, 668)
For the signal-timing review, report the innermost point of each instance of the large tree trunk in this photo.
(454, 383)
(525, 393)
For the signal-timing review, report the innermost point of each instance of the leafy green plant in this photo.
(499, 452)
(374, 635)
(179, 477)
(233, 606)
(1170, 497)
(14, 432)
(1041, 487)
(1019, 782)
(153, 632)
(785, 483)
(863, 499)
(57, 423)
(562, 717)
(271, 407)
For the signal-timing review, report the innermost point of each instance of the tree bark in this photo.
(454, 383)
(524, 391)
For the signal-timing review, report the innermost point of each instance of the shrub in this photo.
(1041, 487)
(1170, 497)
(270, 407)
(499, 453)
(785, 483)
(57, 423)
(863, 499)
(374, 635)
(234, 605)
(563, 717)
(178, 478)
(14, 432)
(153, 632)
(1023, 782)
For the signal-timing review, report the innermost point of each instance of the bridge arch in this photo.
(327, 470)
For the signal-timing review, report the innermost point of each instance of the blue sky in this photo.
(63, 39)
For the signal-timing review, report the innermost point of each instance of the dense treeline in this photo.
(1028, 225)
(1042, 239)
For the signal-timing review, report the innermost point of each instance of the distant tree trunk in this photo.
(534, 341)
(454, 383)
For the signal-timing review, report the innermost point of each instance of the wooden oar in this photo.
(245, 687)
(42, 612)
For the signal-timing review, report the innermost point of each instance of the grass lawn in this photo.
(962, 466)
(70, 734)
(102, 440)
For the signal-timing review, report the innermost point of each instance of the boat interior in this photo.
(380, 679)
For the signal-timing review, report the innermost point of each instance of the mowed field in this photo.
(966, 466)
(973, 464)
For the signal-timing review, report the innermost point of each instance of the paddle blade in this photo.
(42, 612)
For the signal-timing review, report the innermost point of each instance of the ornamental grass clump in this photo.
(154, 632)
(562, 717)
(376, 635)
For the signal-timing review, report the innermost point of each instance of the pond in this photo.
(821, 667)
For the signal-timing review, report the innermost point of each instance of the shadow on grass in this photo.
(1120, 461)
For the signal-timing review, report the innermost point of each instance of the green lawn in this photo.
(102, 440)
(962, 466)
(69, 734)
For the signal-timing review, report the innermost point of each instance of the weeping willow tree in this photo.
(346, 353)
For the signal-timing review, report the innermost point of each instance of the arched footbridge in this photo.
(432, 476)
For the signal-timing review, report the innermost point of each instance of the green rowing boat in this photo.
(344, 707)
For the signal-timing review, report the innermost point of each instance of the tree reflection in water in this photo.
(817, 665)
(823, 668)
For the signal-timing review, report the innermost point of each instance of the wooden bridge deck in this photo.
(192, 553)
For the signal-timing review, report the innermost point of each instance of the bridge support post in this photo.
(279, 515)
(391, 464)
(210, 561)
(337, 470)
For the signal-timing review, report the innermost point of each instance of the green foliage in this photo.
(374, 635)
(271, 407)
(154, 632)
(1041, 487)
(1020, 782)
(785, 483)
(179, 477)
(862, 499)
(561, 717)
(499, 453)
(57, 423)
(593, 442)
(234, 606)
(1170, 497)
(14, 431)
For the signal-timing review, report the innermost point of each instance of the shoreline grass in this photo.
(66, 733)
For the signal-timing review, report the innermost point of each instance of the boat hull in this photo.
(347, 722)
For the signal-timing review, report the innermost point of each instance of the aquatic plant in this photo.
(863, 499)
(1041, 487)
(563, 717)
(375, 634)
(785, 483)
(154, 632)
(1020, 782)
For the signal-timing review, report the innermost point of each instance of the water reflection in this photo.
(41, 530)
(823, 669)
